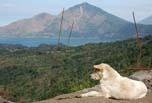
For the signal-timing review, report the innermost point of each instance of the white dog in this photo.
(115, 86)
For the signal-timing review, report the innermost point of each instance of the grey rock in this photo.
(142, 75)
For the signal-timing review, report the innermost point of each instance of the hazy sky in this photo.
(12, 10)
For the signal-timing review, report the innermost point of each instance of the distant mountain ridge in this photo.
(89, 21)
(147, 21)
(26, 27)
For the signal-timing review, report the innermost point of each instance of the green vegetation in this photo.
(30, 74)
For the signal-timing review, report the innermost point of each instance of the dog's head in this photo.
(104, 71)
(98, 72)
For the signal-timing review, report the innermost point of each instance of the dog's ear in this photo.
(98, 67)
(103, 66)
(95, 66)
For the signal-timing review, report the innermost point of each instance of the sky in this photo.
(13, 10)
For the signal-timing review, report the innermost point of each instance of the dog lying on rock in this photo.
(114, 85)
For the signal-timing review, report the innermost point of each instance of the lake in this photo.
(33, 42)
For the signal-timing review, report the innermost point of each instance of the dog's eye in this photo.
(96, 70)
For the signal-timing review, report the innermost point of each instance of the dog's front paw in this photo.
(84, 95)
(81, 95)
(106, 95)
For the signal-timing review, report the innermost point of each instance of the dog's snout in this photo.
(91, 75)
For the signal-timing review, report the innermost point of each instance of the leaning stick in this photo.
(70, 32)
(139, 45)
(60, 31)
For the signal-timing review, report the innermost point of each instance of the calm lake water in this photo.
(33, 42)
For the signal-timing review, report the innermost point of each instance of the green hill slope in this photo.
(29, 74)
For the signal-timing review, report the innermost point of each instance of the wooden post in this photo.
(139, 45)
(60, 27)
(59, 36)
(70, 32)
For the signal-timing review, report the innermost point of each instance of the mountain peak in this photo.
(85, 6)
(85, 3)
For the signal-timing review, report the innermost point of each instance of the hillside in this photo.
(34, 74)
(89, 21)
(147, 21)
(27, 27)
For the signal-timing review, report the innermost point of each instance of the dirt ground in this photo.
(70, 98)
